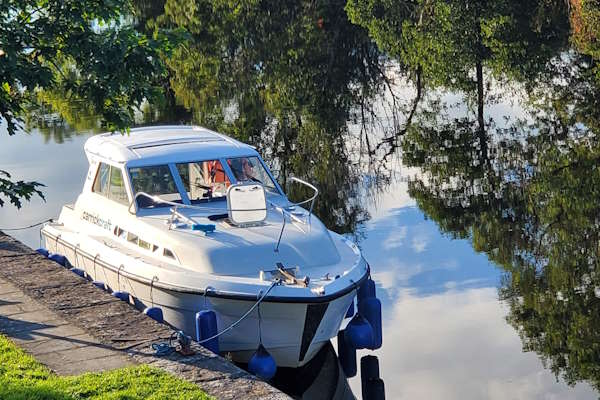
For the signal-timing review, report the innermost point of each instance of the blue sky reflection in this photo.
(445, 333)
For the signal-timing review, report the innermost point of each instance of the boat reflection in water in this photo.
(322, 378)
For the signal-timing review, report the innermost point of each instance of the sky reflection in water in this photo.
(445, 333)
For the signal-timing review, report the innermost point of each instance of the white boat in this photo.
(186, 219)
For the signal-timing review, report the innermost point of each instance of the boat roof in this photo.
(153, 145)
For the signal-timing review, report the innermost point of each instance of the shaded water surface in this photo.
(469, 177)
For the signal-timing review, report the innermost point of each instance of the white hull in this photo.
(169, 214)
(285, 326)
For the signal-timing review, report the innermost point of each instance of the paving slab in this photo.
(97, 365)
(64, 348)
(6, 288)
(40, 344)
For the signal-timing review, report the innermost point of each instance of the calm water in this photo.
(445, 329)
(463, 160)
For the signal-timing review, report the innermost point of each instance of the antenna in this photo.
(280, 233)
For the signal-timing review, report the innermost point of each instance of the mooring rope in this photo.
(75, 252)
(162, 349)
(28, 226)
(166, 348)
(154, 278)
(230, 327)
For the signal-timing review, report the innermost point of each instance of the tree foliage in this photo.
(16, 191)
(446, 39)
(585, 23)
(80, 53)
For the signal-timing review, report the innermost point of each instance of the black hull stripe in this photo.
(213, 293)
(314, 315)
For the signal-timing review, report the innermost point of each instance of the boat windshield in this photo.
(204, 180)
(156, 181)
(250, 169)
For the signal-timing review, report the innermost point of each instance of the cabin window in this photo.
(102, 180)
(204, 180)
(109, 183)
(250, 169)
(120, 233)
(156, 181)
(117, 190)
(132, 238)
(168, 253)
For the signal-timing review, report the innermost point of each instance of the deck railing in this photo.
(285, 210)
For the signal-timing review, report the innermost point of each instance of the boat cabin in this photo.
(186, 165)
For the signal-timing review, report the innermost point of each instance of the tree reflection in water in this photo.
(284, 77)
(293, 79)
(525, 193)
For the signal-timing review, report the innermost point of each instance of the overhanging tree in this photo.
(73, 52)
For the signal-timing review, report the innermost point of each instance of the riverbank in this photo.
(23, 377)
(71, 302)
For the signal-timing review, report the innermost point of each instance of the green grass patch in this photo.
(23, 378)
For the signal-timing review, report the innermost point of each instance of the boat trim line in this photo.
(212, 293)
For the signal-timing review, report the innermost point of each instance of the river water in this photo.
(445, 329)
(464, 161)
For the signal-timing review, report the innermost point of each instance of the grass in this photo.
(23, 378)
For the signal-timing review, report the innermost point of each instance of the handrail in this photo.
(175, 213)
(311, 199)
(292, 216)
(157, 199)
